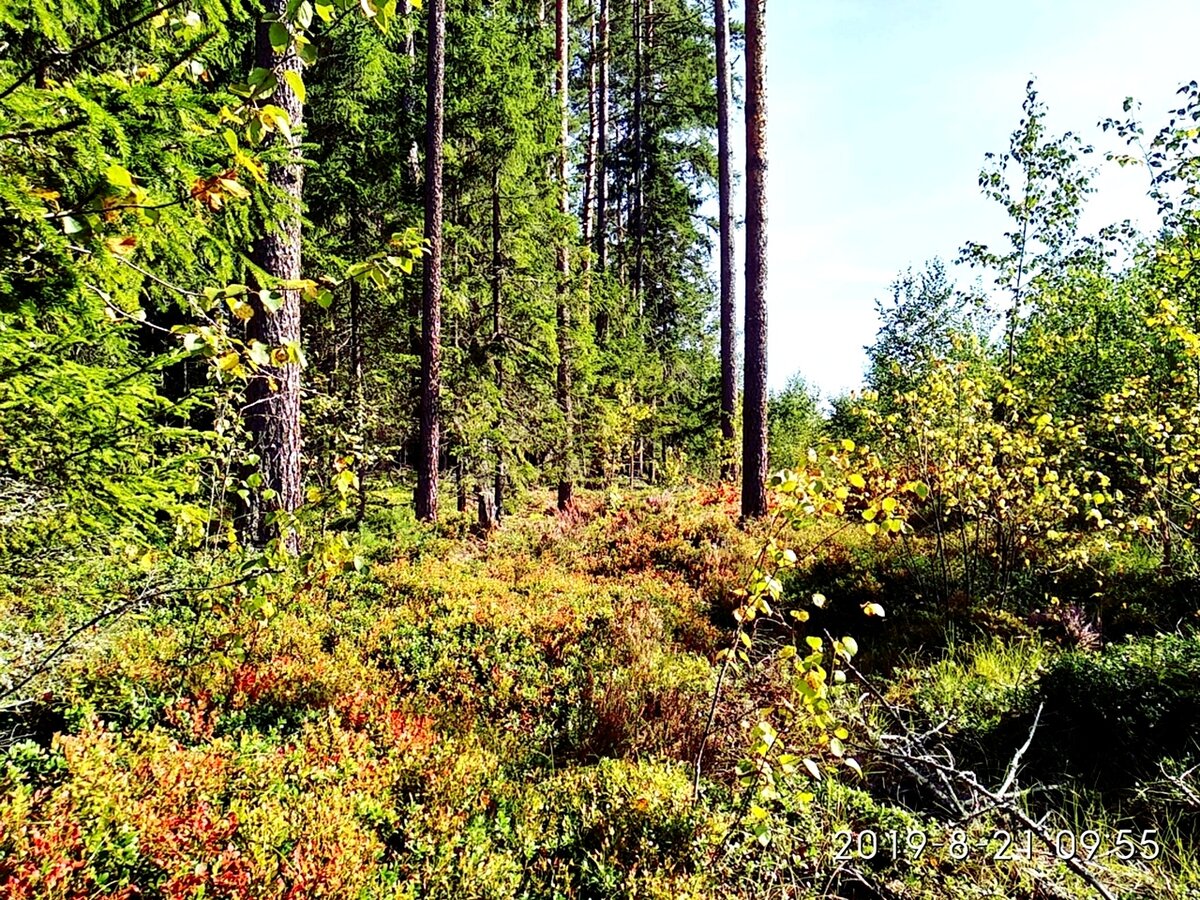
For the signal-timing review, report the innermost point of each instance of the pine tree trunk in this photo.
(406, 98)
(566, 487)
(600, 238)
(637, 216)
(497, 350)
(273, 395)
(358, 396)
(602, 104)
(426, 499)
(754, 409)
(587, 212)
(648, 152)
(725, 191)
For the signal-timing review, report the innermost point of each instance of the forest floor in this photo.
(517, 717)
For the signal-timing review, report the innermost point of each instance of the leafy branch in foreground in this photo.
(842, 486)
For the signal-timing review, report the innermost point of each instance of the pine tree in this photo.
(273, 395)
(429, 441)
(602, 112)
(725, 195)
(566, 486)
(754, 403)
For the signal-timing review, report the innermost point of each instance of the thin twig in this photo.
(115, 612)
(45, 131)
(1016, 760)
(1003, 800)
(64, 55)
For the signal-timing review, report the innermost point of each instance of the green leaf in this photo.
(118, 176)
(279, 118)
(308, 53)
(296, 83)
(271, 300)
(304, 15)
(279, 36)
(295, 354)
(260, 354)
(267, 87)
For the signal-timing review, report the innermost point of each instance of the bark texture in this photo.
(273, 395)
(566, 485)
(429, 442)
(754, 404)
(497, 342)
(602, 104)
(587, 215)
(725, 195)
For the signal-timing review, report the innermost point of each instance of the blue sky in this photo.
(880, 114)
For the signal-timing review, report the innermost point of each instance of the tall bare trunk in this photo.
(431, 300)
(600, 238)
(566, 486)
(725, 191)
(406, 99)
(639, 111)
(602, 103)
(497, 351)
(273, 395)
(754, 409)
(587, 214)
(358, 396)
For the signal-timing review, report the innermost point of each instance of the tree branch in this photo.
(63, 55)
(111, 613)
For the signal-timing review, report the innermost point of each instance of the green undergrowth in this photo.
(510, 716)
